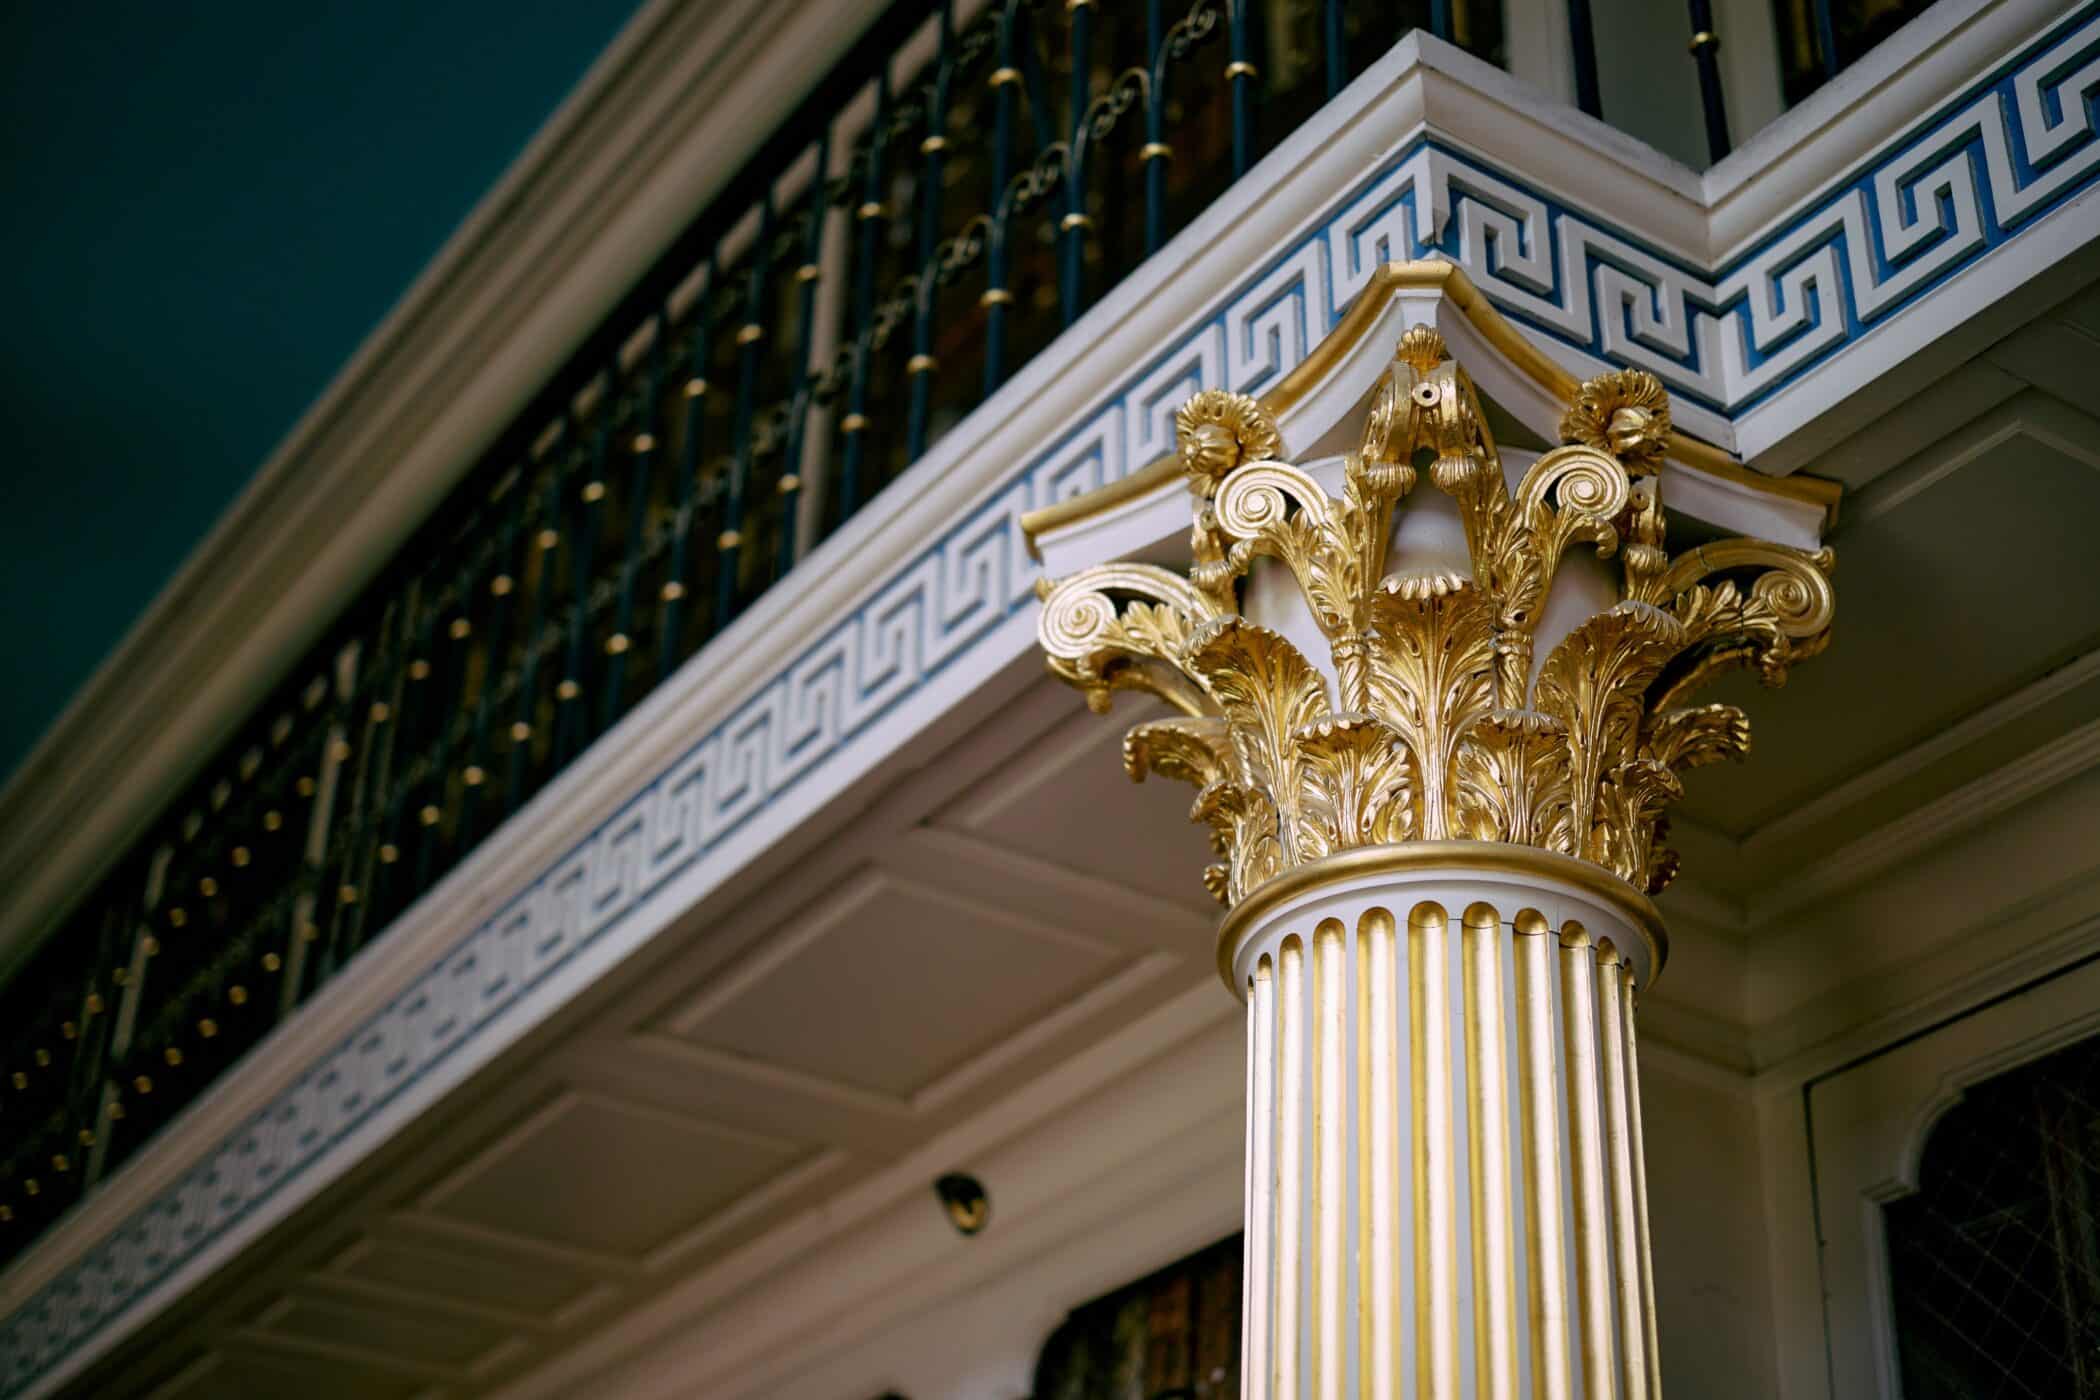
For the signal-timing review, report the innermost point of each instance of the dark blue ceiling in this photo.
(203, 210)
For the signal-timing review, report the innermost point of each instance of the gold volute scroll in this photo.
(1433, 717)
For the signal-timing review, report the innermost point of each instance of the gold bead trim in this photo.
(807, 273)
(728, 540)
(429, 815)
(1155, 150)
(750, 334)
(567, 690)
(1072, 221)
(645, 442)
(381, 712)
(593, 491)
(460, 629)
(1240, 68)
(1002, 76)
(921, 364)
(788, 484)
(933, 145)
(673, 591)
(520, 732)
(1704, 39)
(871, 210)
(549, 538)
(695, 388)
(854, 423)
(616, 644)
(996, 296)
(474, 776)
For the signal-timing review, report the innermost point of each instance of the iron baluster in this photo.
(385, 720)
(678, 582)
(1156, 153)
(800, 396)
(1333, 40)
(1440, 19)
(870, 216)
(1826, 37)
(512, 546)
(572, 724)
(1582, 48)
(640, 474)
(542, 542)
(921, 366)
(1705, 48)
(750, 340)
(415, 735)
(1241, 74)
(997, 296)
(1072, 229)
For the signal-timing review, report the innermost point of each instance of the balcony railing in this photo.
(961, 187)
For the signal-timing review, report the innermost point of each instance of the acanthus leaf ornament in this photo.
(1440, 710)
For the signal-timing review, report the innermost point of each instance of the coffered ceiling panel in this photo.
(1070, 802)
(536, 1292)
(600, 1174)
(1951, 598)
(247, 1374)
(448, 1340)
(892, 984)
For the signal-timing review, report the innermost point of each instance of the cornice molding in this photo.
(1942, 819)
(1971, 729)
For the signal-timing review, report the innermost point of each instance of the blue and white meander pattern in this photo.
(1967, 180)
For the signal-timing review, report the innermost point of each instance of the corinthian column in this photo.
(1433, 701)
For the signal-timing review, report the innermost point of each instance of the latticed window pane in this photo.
(1995, 1262)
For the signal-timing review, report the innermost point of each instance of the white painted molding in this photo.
(1971, 729)
(1937, 821)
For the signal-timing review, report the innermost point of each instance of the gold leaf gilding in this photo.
(1437, 727)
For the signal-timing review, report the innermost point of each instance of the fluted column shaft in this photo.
(1445, 1194)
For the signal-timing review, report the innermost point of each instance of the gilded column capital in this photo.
(1430, 639)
